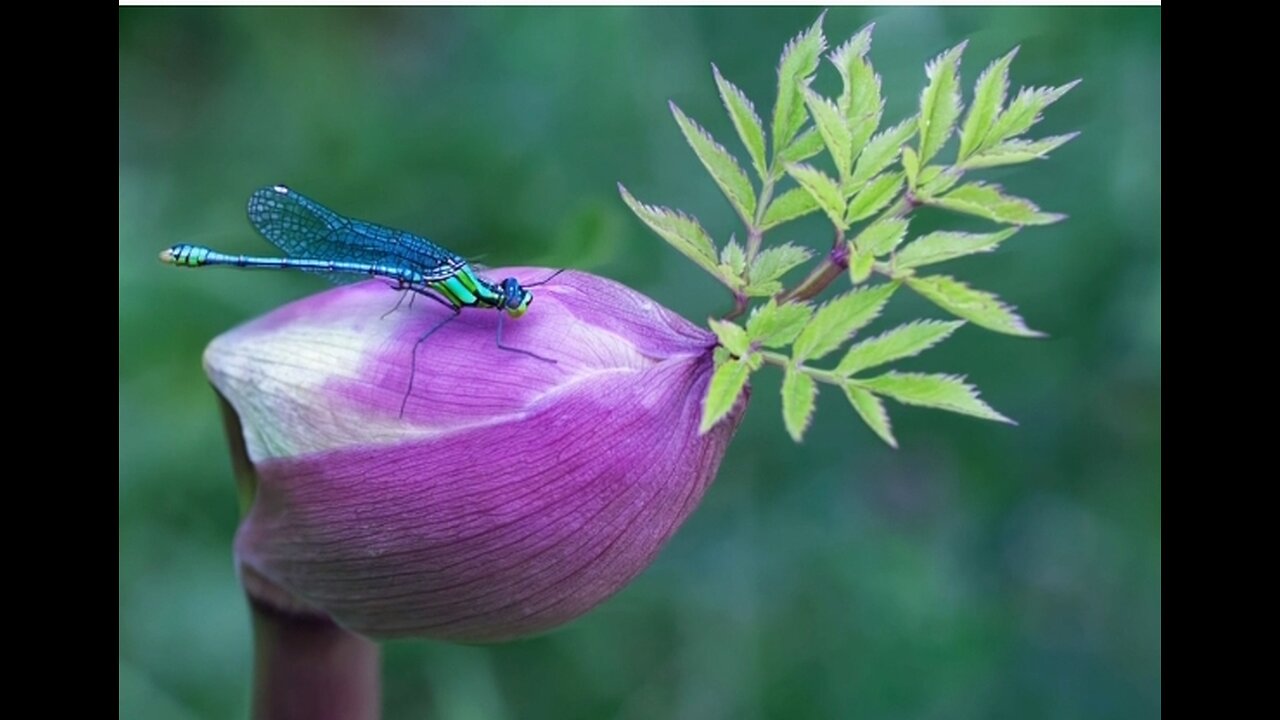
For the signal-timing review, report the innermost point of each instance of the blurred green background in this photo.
(981, 571)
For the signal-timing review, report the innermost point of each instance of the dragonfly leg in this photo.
(508, 348)
(413, 363)
(413, 293)
(406, 291)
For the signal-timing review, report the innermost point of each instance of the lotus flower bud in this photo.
(513, 495)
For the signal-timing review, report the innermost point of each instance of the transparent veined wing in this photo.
(303, 228)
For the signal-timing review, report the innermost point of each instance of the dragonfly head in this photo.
(515, 299)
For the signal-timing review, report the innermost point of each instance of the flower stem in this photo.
(304, 665)
(740, 301)
(754, 235)
(783, 361)
(837, 261)
(832, 267)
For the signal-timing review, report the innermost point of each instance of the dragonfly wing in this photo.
(403, 248)
(303, 228)
(445, 270)
(297, 225)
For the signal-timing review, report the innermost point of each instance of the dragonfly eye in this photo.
(512, 294)
(515, 299)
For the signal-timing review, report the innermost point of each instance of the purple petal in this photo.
(514, 495)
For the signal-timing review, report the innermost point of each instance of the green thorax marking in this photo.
(464, 289)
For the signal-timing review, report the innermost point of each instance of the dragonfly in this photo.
(318, 240)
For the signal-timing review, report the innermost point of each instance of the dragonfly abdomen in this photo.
(185, 255)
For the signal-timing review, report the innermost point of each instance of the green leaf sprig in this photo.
(877, 178)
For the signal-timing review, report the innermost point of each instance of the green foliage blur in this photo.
(981, 571)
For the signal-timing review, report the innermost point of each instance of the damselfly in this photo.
(319, 240)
